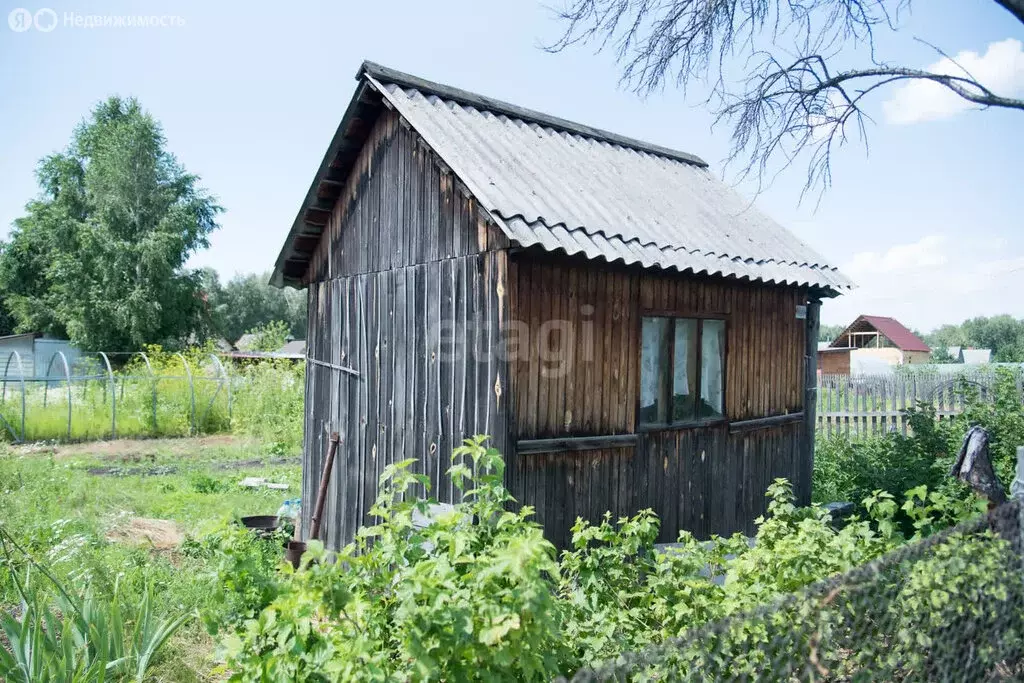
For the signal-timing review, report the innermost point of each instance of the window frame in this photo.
(673, 314)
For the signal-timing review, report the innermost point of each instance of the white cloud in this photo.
(932, 281)
(926, 253)
(1000, 69)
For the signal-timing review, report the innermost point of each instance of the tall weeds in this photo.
(166, 397)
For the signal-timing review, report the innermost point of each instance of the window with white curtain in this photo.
(682, 370)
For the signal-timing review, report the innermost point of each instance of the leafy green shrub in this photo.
(850, 470)
(468, 597)
(204, 483)
(245, 575)
(1002, 415)
(619, 593)
(477, 594)
(948, 610)
(959, 592)
(268, 403)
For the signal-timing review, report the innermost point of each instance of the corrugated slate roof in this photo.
(245, 342)
(295, 346)
(570, 188)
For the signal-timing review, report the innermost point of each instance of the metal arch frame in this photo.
(224, 380)
(67, 378)
(191, 391)
(113, 395)
(3, 394)
(952, 383)
(153, 380)
(7, 369)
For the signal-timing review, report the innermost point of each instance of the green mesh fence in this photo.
(948, 608)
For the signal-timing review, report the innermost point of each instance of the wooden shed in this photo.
(630, 331)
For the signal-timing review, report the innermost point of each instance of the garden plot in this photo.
(135, 513)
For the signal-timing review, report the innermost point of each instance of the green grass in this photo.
(266, 402)
(63, 514)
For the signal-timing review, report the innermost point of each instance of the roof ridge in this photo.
(465, 97)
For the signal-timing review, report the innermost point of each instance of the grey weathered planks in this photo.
(396, 408)
(401, 288)
(704, 481)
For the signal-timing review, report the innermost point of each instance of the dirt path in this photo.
(133, 450)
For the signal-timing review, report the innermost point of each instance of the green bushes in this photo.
(850, 470)
(268, 404)
(245, 575)
(469, 597)
(478, 594)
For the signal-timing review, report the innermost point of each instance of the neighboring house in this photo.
(833, 361)
(245, 342)
(874, 342)
(629, 331)
(33, 356)
(222, 345)
(974, 356)
(296, 348)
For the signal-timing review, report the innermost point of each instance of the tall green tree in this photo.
(1003, 334)
(6, 321)
(100, 255)
(830, 332)
(248, 301)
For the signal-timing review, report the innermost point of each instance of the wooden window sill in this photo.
(765, 422)
(675, 426)
(571, 444)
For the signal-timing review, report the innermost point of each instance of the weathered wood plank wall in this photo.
(400, 207)
(406, 290)
(598, 344)
(581, 377)
(706, 481)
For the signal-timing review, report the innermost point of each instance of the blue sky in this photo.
(929, 223)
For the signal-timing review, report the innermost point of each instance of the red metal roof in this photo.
(893, 330)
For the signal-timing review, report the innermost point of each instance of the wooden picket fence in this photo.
(875, 404)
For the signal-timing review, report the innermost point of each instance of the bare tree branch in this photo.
(790, 102)
(800, 106)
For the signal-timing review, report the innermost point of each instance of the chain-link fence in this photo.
(948, 608)
(99, 395)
